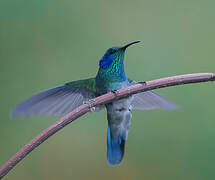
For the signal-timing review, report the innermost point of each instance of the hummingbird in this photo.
(111, 76)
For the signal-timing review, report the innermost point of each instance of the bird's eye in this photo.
(112, 51)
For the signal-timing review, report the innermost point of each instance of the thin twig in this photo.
(81, 110)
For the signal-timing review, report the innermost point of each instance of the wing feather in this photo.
(151, 100)
(56, 101)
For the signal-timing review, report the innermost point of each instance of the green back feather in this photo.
(89, 84)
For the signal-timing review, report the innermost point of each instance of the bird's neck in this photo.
(114, 73)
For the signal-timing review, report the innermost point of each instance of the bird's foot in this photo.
(143, 82)
(115, 92)
(90, 102)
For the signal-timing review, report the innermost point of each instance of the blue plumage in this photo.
(115, 151)
(106, 61)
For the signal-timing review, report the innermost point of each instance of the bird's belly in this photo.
(119, 115)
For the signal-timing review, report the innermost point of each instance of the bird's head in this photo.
(114, 55)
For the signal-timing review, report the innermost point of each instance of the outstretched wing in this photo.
(57, 101)
(151, 100)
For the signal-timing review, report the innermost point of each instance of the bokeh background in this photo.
(47, 43)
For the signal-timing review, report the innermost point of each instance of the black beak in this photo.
(124, 47)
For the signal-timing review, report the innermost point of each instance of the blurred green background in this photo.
(44, 43)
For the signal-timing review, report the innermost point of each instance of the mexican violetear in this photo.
(110, 77)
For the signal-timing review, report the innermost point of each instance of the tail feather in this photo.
(115, 150)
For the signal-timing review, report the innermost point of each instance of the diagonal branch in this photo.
(81, 110)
